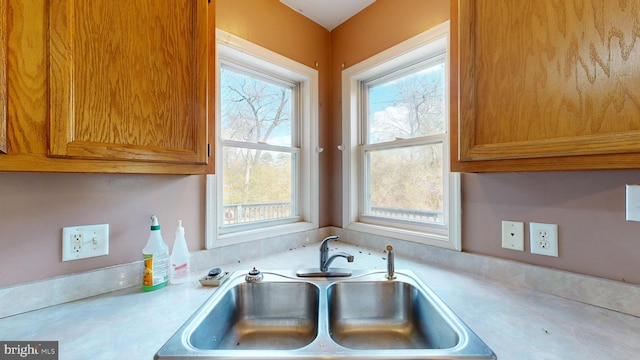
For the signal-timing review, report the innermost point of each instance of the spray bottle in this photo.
(180, 258)
(156, 259)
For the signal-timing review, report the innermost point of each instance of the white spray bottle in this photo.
(180, 258)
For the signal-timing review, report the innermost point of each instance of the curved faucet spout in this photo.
(349, 258)
(324, 251)
(325, 260)
(325, 242)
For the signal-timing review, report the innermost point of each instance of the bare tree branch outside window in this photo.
(406, 181)
(256, 111)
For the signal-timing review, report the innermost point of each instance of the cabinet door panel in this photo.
(128, 80)
(3, 77)
(541, 79)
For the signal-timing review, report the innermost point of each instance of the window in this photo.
(266, 129)
(396, 140)
(259, 145)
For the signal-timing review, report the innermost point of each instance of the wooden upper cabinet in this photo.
(3, 77)
(128, 80)
(545, 85)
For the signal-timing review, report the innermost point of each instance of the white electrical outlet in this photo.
(80, 242)
(513, 235)
(544, 239)
(76, 243)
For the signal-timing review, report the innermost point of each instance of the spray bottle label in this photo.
(181, 271)
(156, 268)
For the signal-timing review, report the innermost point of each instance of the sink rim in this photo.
(323, 346)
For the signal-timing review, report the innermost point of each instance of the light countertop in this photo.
(515, 322)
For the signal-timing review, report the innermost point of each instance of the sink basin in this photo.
(386, 315)
(272, 315)
(365, 316)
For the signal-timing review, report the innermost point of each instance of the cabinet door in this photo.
(128, 80)
(553, 84)
(3, 77)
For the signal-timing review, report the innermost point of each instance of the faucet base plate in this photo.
(317, 273)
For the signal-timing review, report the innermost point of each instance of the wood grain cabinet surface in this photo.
(3, 77)
(128, 79)
(545, 85)
(106, 85)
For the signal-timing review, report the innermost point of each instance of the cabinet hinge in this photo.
(208, 150)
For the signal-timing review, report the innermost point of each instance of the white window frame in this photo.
(240, 51)
(419, 47)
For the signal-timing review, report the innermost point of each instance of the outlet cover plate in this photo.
(544, 239)
(513, 235)
(80, 242)
(633, 203)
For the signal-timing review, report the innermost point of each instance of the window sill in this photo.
(259, 234)
(432, 239)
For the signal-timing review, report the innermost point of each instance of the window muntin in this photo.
(403, 131)
(259, 141)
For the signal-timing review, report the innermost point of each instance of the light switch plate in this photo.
(633, 203)
(80, 242)
(513, 235)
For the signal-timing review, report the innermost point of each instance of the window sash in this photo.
(390, 75)
(364, 209)
(264, 76)
(256, 73)
(364, 196)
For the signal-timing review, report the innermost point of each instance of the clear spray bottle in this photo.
(180, 258)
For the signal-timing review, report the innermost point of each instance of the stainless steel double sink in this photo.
(365, 316)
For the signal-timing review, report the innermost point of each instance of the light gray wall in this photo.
(35, 206)
(589, 208)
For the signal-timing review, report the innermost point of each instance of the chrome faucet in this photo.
(325, 260)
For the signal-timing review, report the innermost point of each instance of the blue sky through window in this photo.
(254, 109)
